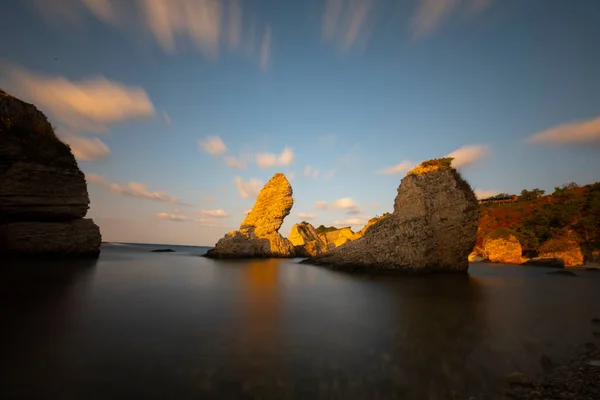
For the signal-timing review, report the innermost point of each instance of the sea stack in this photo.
(433, 227)
(43, 194)
(258, 236)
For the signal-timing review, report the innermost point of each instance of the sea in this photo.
(137, 324)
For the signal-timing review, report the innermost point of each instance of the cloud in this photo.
(167, 118)
(248, 211)
(430, 14)
(345, 21)
(484, 194)
(103, 9)
(321, 205)
(468, 155)
(89, 105)
(581, 132)
(351, 222)
(248, 189)
(172, 217)
(268, 160)
(85, 149)
(291, 175)
(208, 199)
(306, 215)
(213, 145)
(310, 171)
(374, 205)
(215, 213)
(235, 162)
(354, 211)
(404, 166)
(327, 141)
(345, 203)
(265, 49)
(133, 189)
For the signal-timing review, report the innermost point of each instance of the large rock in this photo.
(567, 248)
(306, 241)
(338, 237)
(433, 227)
(502, 246)
(40, 182)
(259, 235)
(369, 224)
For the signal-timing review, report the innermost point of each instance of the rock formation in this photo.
(306, 241)
(567, 248)
(502, 246)
(338, 237)
(259, 235)
(43, 194)
(433, 227)
(369, 224)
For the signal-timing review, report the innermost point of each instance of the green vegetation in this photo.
(323, 229)
(536, 218)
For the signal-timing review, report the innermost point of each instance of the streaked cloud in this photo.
(167, 119)
(350, 222)
(307, 216)
(310, 171)
(430, 14)
(321, 205)
(268, 160)
(215, 213)
(345, 203)
(87, 105)
(484, 194)
(400, 168)
(133, 189)
(468, 155)
(208, 199)
(172, 217)
(374, 205)
(345, 22)
(213, 145)
(265, 49)
(235, 162)
(248, 189)
(573, 133)
(95, 178)
(85, 149)
(354, 211)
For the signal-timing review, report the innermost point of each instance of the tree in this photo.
(533, 194)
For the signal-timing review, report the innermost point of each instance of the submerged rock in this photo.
(162, 251)
(259, 235)
(545, 262)
(562, 272)
(43, 194)
(502, 246)
(306, 241)
(433, 227)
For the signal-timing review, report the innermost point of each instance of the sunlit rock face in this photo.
(306, 241)
(502, 246)
(338, 237)
(432, 229)
(259, 235)
(566, 248)
(43, 194)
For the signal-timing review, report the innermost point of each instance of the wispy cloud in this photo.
(265, 49)
(345, 203)
(345, 21)
(468, 155)
(374, 205)
(213, 145)
(172, 217)
(484, 194)
(351, 222)
(268, 160)
(235, 162)
(310, 171)
(208, 199)
(248, 189)
(85, 149)
(321, 205)
(133, 189)
(400, 168)
(307, 216)
(167, 118)
(87, 105)
(430, 14)
(215, 213)
(573, 133)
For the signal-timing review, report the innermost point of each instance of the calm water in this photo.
(174, 325)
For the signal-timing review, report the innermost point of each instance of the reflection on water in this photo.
(167, 325)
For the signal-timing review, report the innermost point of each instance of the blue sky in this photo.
(179, 110)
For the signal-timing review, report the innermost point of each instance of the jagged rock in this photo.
(306, 241)
(369, 224)
(77, 237)
(259, 235)
(41, 184)
(502, 246)
(567, 248)
(433, 227)
(338, 237)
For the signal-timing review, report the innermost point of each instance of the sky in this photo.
(178, 111)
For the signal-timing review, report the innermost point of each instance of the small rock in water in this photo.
(562, 272)
(594, 363)
(162, 251)
(519, 379)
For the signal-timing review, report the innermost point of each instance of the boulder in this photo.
(502, 246)
(41, 187)
(566, 247)
(259, 235)
(306, 241)
(432, 229)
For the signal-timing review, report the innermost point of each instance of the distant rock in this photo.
(567, 248)
(433, 227)
(259, 235)
(306, 241)
(43, 194)
(338, 237)
(162, 251)
(545, 262)
(502, 246)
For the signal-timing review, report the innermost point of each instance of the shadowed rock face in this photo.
(306, 241)
(433, 228)
(259, 235)
(43, 194)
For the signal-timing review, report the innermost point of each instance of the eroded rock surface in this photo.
(338, 237)
(306, 241)
(259, 235)
(567, 248)
(43, 194)
(502, 246)
(433, 227)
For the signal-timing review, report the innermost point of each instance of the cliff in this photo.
(43, 194)
(338, 237)
(432, 229)
(259, 235)
(306, 241)
(502, 246)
